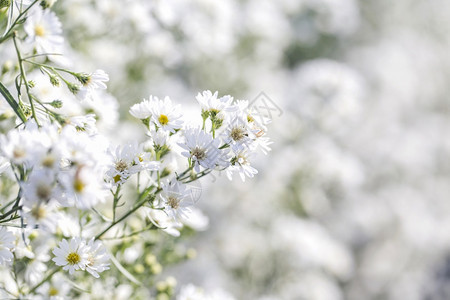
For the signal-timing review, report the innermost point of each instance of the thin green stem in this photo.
(24, 77)
(115, 201)
(141, 201)
(37, 55)
(10, 212)
(10, 32)
(131, 234)
(48, 277)
(184, 172)
(50, 67)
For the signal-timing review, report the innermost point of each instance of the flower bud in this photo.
(56, 103)
(47, 3)
(54, 80)
(83, 78)
(5, 3)
(7, 65)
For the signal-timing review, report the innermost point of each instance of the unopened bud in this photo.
(6, 67)
(47, 3)
(54, 80)
(56, 103)
(5, 3)
(73, 88)
(83, 78)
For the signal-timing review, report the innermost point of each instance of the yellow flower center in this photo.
(43, 192)
(78, 185)
(73, 258)
(52, 291)
(117, 178)
(19, 153)
(38, 212)
(199, 153)
(173, 202)
(163, 119)
(48, 161)
(121, 166)
(39, 30)
(237, 133)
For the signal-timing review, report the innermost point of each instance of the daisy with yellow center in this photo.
(71, 255)
(165, 115)
(176, 199)
(39, 30)
(44, 31)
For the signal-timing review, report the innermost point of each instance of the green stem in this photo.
(131, 234)
(10, 33)
(10, 212)
(9, 98)
(49, 276)
(115, 201)
(184, 173)
(141, 201)
(50, 67)
(24, 77)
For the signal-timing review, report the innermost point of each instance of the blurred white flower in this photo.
(6, 246)
(44, 31)
(142, 110)
(97, 258)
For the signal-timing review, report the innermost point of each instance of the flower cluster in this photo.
(77, 254)
(79, 199)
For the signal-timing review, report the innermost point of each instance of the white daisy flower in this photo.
(18, 147)
(95, 80)
(165, 115)
(84, 123)
(42, 215)
(36, 267)
(6, 246)
(128, 160)
(202, 148)
(240, 163)
(82, 187)
(71, 255)
(159, 138)
(176, 199)
(35, 271)
(238, 133)
(39, 188)
(209, 102)
(57, 288)
(142, 110)
(162, 220)
(44, 30)
(97, 258)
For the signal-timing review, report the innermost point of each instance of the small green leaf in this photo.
(9, 98)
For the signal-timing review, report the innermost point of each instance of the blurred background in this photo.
(353, 200)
